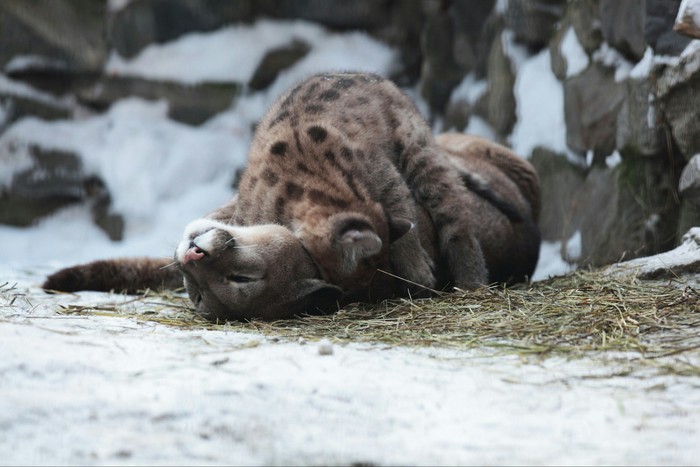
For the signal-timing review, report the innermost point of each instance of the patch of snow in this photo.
(692, 49)
(573, 247)
(539, 100)
(233, 53)
(613, 160)
(501, 6)
(610, 57)
(685, 257)
(29, 62)
(116, 5)
(479, 127)
(517, 53)
(576, 58)
(143, 157)
(14, 158)
(643, 67)
(689, 9)
(469, 90)
(551, 263)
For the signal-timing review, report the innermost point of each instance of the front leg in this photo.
(411, 263)
(439, 189)
(409, 260)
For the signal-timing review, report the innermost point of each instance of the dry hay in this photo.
(581, 312)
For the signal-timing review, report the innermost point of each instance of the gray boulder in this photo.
(624, 213)
(622, 24)
(500, 98)
(191, 104)
(689, 183)
(639, 132)
(55, 179)
(440, 73)
(276, 61)
(678, 92)
(592, 101)
(14, 106)
(533, 21)
(560, 180)
(63, 34)
(658, 27)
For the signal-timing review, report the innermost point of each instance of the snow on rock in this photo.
(143, 157)
(688, 18)
(234, 52)
(160, 175)
(550, 262)
(683, 260)
(576, 58)
(540, 108)
(610, 57)
(477, 126)
(470, 90)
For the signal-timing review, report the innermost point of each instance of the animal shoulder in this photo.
(331, 141)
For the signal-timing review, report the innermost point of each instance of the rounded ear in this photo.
(398, 227)
(314, 296)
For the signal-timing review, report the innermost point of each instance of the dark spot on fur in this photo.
(270, 177)
(393, 121)
(294, 191)
(314, 109)
(252, 182)
(324, 199)
(345, 153)
(297, 141)
(279, 118)
(288, 100)
(344, 83)
(358, 102)
(279, 148)
(329, 95)
(329, 155)
(398, 149)
(310, 90)
(303, 168)
(422, 142)
(280, 203)
(317, 134)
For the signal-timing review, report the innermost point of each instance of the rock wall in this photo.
(630, 95)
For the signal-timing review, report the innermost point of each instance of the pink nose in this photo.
(193, 254)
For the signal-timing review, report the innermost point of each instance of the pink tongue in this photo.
(193, 254)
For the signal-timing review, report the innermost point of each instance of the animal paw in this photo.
(415, 268)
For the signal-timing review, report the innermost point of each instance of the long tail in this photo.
(129, 275)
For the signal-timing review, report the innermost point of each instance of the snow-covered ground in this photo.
(108, 390)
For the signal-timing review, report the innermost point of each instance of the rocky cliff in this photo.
(620, 181)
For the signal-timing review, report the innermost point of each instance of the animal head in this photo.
(262, 271)
(266, 271)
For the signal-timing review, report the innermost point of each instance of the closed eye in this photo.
(240, 279)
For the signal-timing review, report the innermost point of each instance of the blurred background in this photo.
(122, 120)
